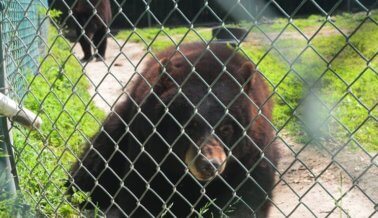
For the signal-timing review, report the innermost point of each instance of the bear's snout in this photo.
(206, 162)
(208, 168)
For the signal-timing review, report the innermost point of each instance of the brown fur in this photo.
(141, 137)
(96, 26)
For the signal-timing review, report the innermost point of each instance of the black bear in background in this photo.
(96, 26)
(193, 138)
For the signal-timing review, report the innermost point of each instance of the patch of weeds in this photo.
(59, 95)
(342, 86)
(205, 209)
(12, 205)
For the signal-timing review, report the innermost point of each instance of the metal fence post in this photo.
(7, 166)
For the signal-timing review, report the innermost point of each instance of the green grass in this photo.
(59, 95)
(345, 91)
(156, 39)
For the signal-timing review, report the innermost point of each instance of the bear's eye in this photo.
(226, 130)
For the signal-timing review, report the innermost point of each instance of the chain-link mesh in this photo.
(257, 108)
(23, 29)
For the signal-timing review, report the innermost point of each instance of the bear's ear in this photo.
(248, 73)
(166, 70)
(164, 63)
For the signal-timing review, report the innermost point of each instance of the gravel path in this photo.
(108, 79)
(311, 183)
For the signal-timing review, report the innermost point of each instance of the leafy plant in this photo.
(59, 95)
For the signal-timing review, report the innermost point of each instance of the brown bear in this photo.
(94, 17)
(193, 138)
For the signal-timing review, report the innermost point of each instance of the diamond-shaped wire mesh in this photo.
(257, 109)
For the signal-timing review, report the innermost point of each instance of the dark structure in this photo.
(141, 156)
(96, 25)
(135, 13)
(230, 11)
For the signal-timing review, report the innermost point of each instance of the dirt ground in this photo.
(310, 181)
(109, 78)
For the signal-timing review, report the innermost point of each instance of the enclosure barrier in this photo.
(21, 42)
(318, 58)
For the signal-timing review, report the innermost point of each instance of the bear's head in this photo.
(207, 113)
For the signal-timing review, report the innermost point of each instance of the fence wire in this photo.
(133, 129)
(22, 33)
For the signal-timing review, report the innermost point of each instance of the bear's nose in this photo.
(210, 167)
(216, 164)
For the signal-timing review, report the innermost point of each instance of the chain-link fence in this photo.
(22, 33)
(201, 108)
